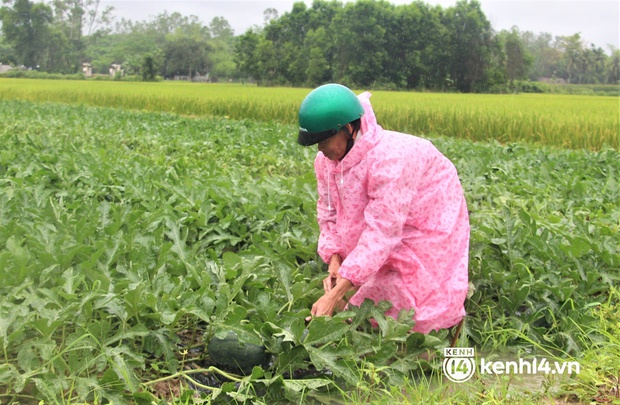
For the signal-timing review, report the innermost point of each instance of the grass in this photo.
(587, 122)
(598, 380)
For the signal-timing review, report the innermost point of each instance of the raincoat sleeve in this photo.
(391, 189)
(330, 242)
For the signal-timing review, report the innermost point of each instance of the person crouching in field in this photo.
(392, 215)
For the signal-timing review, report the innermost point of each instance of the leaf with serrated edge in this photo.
(324, 330)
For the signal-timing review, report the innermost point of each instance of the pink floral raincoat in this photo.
(394, 209)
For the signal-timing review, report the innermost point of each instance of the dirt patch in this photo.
(168, 390)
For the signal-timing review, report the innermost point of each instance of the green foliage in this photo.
(129, 239)
(50, 36)
(133, 237)
(600, 369)
(361, 47)
(542, 256)
(35, 74)
(148, 68)
(185, 56)
(567, 59)
(470, 44)
(415, 46)
(26, 27)
(518, 59)
(130, 253)
(580, 89)
(245, 57)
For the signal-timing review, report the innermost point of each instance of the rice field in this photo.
(568, 121)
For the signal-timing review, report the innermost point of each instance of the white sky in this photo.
(598, 21)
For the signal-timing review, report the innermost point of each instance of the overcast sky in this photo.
(598, 21)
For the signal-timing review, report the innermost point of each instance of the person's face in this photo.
(335, 147)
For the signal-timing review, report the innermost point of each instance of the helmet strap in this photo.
(350, 141)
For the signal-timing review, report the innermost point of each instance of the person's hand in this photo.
(334, 276)
(331, 300)
(325, 305)
(330, 282)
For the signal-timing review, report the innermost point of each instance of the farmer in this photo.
(393, 219)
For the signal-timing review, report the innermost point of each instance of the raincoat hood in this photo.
(366, 138)
(369, 121)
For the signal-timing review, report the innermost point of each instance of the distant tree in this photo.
(26, 27)
(220, 28)
(317, 71)
(402, 56)
(294, 61)
(470, 45)
(359, 40)
(246, 56)
(571, 45)
(546, 56)
(222, 49)
(612, 67)
(593, 65)
(61, 56)
(82, 17)
(149, 69)
(132, 65)
(6, 52)
(269, 15)
(96, 18)
(131, 47)
(267, 68)
(315, 50)
(287, 34)
(185, 56)
(293, 36)
(291, 27)
(169, 38)
(322, 13)
(177, 24)
(75, 22)
(415, 45)
(518, 59)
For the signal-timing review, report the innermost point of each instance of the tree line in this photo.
(367, 43)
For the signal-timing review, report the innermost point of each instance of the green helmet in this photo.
(325, 111)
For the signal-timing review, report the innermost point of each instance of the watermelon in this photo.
(232, 353)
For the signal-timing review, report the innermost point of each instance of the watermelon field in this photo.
(138, 221)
